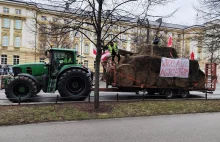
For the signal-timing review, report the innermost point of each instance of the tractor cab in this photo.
(58, 58)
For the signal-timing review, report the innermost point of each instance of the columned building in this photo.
(21, 42)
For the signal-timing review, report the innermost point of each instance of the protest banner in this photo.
(174, 67)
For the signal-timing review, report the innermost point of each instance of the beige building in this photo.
(19, 37)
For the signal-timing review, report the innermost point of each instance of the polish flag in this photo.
(105, 56)
(192, 56)
(94, 51)
(169, 44)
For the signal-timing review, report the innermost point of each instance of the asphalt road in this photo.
(175, 128)
(108, 96)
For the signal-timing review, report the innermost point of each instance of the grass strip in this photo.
(24, 114)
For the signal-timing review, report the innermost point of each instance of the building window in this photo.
(18, 24)
(76, 47)
(41, 59)
(5, 41)
(86, 49)
(18, 11)
(16, 60)
(123, 37)
(43, 18)
(17, 42)
(94, 64)
(6, 10)
(76, 61)
(86, 63)
(4, 59)
(55, 19)
(6, 23)
(43, 28)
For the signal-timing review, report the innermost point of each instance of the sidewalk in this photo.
(176, 128)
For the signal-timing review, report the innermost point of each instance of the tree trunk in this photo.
(98, 56)
(212, 57)
(97, 72)
(148, 32)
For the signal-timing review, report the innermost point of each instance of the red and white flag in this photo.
(169, 43)
(94, 51)
(104, 55)
(192, 56)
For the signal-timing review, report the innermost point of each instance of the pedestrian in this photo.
(156, 40)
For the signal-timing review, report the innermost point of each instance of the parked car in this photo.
(5, 69)
(1, 71)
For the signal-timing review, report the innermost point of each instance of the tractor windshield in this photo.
(60, 58)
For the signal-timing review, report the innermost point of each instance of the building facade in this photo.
(20, 39)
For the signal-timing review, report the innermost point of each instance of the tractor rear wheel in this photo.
(23, 87)
(75, 85)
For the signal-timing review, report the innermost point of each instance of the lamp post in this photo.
(183, 48)
(35, 39)
(81, 38)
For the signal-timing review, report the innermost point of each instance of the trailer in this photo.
(110, 74)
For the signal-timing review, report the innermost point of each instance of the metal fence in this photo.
(114, 98)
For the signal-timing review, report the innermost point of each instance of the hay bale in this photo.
(125, 52)
(123, 71)
(145, 63)
(152, 79)
(164, 82)
(181, 82)
(145, 68)
(158, 51)
(201, 80)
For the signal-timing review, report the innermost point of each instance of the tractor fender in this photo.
(84, 69)
(30, 76)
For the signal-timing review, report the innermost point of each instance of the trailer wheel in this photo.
(75, 85)
(151, 92)
(184, 94)
(23, 87)
(169, 93)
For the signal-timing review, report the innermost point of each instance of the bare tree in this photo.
(211, 41)
(210, 13)
(101, 21)
(48, 34)
(209, 9)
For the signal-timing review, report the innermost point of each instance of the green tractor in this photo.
(73, 81)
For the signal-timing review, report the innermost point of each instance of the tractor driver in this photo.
(68, 58)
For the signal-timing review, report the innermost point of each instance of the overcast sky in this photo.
(186, 15)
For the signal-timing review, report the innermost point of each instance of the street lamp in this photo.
(81, 38)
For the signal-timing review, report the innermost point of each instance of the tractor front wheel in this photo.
(75, 85)
(21, 87)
